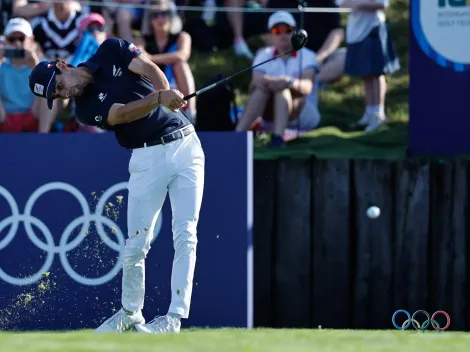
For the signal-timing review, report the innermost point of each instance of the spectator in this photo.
(371, 55)
(127, 17)
(57, 30)
(92, 33)
(170, 48)
(326, 34)
(235, 18)
(20, 110)
(276, 91)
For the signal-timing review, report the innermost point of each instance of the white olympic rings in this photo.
(64, 246)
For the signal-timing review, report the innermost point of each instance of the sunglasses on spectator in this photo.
(92, 29)
(14, 39)
(156, 14)
(281, 29)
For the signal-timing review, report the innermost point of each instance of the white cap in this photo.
(18, 24)
(281, 17)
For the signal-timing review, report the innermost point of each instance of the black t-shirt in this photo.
(57, 39)
(114, 83)
(152, 48)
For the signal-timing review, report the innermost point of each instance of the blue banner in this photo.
(63, 210)
(439, 78)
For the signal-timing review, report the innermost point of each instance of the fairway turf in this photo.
(235, 340)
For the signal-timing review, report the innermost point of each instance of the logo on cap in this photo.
(39, 88)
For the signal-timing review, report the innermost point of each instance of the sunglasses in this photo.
(157, 14)
(93, 29)
(281, 29)
(14, 39)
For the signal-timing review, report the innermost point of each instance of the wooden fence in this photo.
(319, 260)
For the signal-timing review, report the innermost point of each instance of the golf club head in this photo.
(299, 39)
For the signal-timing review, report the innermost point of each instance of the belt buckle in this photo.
(163, 140)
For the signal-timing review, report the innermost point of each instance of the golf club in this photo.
(298, 40)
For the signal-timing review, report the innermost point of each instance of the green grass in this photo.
(340, 104)
(237, 340)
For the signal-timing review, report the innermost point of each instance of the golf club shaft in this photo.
(205, 89)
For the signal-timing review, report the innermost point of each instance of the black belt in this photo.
(170, 137)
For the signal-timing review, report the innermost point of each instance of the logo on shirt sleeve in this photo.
(39, 88)
(132, 48)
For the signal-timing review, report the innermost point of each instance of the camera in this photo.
(14, 53)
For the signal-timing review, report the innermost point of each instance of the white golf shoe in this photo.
(120, 322)
(160, 325)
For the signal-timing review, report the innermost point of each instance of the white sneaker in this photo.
(362, 122)
(242, 49)
(375, 121)
(160, 325)
(120, 322)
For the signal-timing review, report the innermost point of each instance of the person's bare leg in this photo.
(282, 111)
(124, 24)
(380, 94)
(235, 18)
(254, 108)
(378, 88)
(185, 82)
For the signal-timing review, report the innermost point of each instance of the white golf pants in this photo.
(176, 168)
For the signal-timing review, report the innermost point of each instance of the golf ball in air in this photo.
(373, 212)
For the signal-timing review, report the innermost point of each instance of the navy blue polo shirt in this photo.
(114, 83)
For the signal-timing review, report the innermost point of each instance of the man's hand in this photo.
(172, 99)
(30, 54)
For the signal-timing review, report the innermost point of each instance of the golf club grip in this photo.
(200, 91)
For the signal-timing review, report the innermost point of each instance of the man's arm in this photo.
(135, 110)
(142, 65)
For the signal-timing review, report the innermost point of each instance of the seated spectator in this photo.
(279, 92)
(56, 31)
(170, 48)
(20, 110)
(326, 34)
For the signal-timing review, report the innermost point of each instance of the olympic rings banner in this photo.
(63, 208)
(412, 320)
(439, 101)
